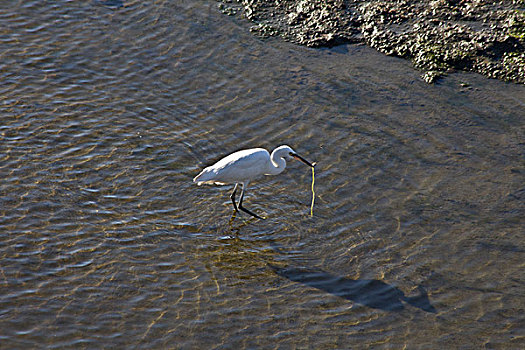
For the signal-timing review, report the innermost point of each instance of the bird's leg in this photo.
(232, 196)
(243, 208)
(232, 218)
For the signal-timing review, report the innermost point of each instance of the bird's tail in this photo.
(205, 177)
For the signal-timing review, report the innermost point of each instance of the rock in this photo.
(438, 36)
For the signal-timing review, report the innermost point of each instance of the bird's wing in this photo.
(241, 166)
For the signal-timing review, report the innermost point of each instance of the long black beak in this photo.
(298, 157)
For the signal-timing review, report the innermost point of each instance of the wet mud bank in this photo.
(487, 37)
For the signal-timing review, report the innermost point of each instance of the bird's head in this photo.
(287, 153)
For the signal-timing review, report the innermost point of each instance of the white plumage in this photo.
(243, 166)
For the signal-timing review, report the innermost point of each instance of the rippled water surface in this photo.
(109, 109)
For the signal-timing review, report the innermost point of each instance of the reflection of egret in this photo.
(243, 166)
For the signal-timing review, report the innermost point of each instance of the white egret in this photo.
(243, 166)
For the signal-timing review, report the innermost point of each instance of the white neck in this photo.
(277, 164)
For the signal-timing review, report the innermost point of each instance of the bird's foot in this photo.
(234, 215)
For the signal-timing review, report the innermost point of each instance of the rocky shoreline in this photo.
(437, 36)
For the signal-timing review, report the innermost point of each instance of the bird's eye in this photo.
(290, 153)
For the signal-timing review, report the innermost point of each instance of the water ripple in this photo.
(108, 110)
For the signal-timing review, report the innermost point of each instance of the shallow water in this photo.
(109, 109)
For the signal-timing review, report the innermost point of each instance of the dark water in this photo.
(109, 109)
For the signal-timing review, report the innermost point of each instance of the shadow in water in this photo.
(372, 293)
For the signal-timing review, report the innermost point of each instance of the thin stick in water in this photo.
(313, 193)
